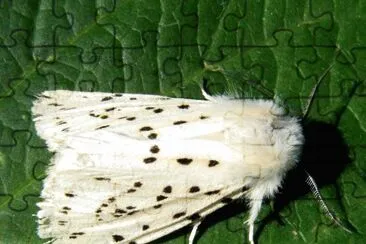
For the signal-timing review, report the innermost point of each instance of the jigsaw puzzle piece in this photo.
(69, 71)
(19, 191)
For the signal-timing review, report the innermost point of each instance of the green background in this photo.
(259, 49)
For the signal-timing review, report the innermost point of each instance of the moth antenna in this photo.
(314, 90)
(314, 189)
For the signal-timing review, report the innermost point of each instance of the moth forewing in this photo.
(130, 168)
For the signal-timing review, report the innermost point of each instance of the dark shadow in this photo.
(325, 155)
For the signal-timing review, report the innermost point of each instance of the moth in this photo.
(130, 168)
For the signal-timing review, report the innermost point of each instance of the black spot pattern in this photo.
(178, 215)
(93, 115)
(133, 98)
(102, 127)
(194, 189)
(70, 195)
(110, 109)
(149, 160)
(149, 108)
(111, 199)
(146, 128)
(104, 205)
(167, 189)
(203, 117)
(118, 238)
(145, 227)
(184, 161)
(61, 123)
(152, 136)
(130, 207)
(132, 212)
(212, 192)
(66, 208)
(130, 118)
(131, 190)
(104, 116)
(55, 104)
(106, 99)
(183, 106)
(158, 110)
(132, 242)
(157, 206)
(194, 217)
(137, 184)
(118, 95)
(179, 122)
(119, 211)
(213, 163)
(102, 178)
(154, 149)
(160, 198)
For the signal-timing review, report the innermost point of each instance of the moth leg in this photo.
(255, 207)
(193, 232)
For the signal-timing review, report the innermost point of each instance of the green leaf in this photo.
(256, 49)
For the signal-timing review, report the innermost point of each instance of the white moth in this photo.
(130, 168)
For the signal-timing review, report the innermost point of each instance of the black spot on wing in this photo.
(194, 189)
(154, 149)
(119, 211)
(102, 178)
(104, 116)
(149, 108)
(61, 123)
(146, 128)
(167, 189)
(110, 109)
(106, 99)
(160, 198)
(179, 215)
(179, 122)
(102, 127)
(55, 104)
(152, 136)
(145, 227)
(213, 163)
(133, 98)
(184, 161)
(131, 190)
(149, 160)
(157, 206)
(194, 217)
(158, 110)
(137, 184)
(212, 192)
(131, 118)
(204, 117)
(183, 106)
(117, 238)
(118, 95)
(70, 194)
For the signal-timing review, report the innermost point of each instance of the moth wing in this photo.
(59, 114)
(136, 194)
